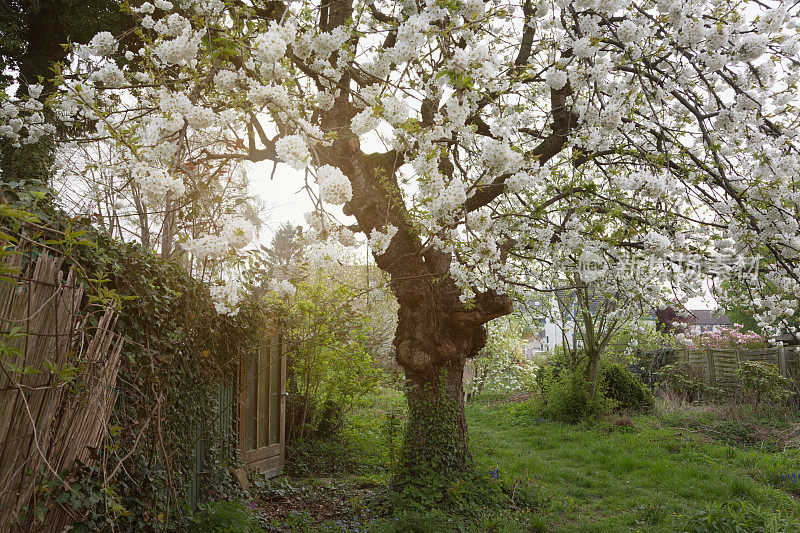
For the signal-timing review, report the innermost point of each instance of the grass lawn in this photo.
(649, 473)
(642, 477)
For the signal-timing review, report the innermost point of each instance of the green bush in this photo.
(329, 367)
(550, 371)
(739, 516)
(687, 381)
(763, 381)
(499, 367)
(566, 399)
(223, 517)
(620, 385)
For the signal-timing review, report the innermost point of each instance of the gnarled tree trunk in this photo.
(433, 342)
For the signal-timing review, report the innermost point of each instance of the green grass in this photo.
(650, 476)
(645, 478)
(365, 446)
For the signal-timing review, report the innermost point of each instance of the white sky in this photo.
(280, 195)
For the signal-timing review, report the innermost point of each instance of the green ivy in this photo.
(177, 353)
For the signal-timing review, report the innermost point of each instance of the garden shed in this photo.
(261, 407)
(251, 416)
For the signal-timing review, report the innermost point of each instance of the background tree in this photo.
(668, 320)
(500, 366)
(740, 298)
(285, 249)
(590, 312)
(328, 351)
(335, 328)
(32, 38)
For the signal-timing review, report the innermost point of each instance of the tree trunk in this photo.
(433, 344)
(168, 230)
(592, 371)
(436, 437)
(436, 332)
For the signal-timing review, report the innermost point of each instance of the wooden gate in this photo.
(262, 407)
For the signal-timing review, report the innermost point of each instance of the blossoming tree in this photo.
(468, 139)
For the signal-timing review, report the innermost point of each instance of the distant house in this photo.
(697, 321)
(547, 337)
(554, 331)
(701, 320)
(546, 331)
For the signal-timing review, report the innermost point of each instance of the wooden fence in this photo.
(720, 365)
(46, 344)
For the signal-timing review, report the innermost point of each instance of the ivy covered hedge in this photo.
(178, 355)
(170, 440)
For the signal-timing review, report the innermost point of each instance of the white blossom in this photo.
(269, 47)
(236, 233)
(395, 111)
(556, 78)
(157, 183)
(379, 241)
(364, 122)
(226, 297)
(293, 150)
(34, 90)
(334, 186)
(225, 80)
(146, 8)
(181, 49)
(103, 44)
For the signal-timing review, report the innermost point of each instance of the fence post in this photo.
(712, 377)
(782, 361)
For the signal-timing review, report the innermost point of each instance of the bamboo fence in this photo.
(45, 345)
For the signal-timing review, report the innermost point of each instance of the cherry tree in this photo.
(470, 142)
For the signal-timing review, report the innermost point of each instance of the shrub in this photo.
(329, 364)
(549, 372)
(500, 368)
(620, 385)
(763, 381)
(566, 399)
(687, 381)
(648, 365)
(729, 337)
(739, 516)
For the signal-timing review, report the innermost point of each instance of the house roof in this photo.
(706, 317)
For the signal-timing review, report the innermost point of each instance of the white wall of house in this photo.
(554, 333)
(548, 339)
